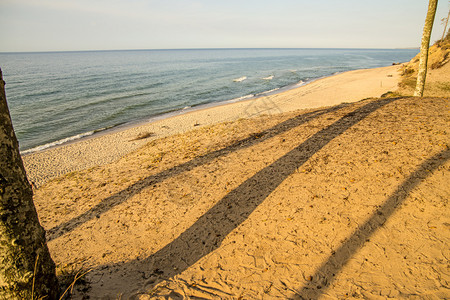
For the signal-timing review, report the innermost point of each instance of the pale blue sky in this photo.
(60, 25)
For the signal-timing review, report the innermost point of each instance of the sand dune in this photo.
(344, 201)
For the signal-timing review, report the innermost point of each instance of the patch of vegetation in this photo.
(445, 42)
(391, 95)
(445, 86)
(407, 71)
(408, 82)
(144, 135)
(70, 277)
(438, 64)
(439, 55)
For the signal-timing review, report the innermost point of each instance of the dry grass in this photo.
(437, 82)
(71, 276)
(144, 135)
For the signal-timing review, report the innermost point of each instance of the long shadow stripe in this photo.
(208, 232)
(120, 197)
(328, 271)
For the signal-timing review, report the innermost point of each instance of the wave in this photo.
(43, 93)
(240, 98)
(240, 79)
(269, 91)
(68, 139)
(268, 77)
(59, 142)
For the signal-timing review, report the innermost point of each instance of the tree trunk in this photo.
(26, 268)
(445, 26)
(422, 72)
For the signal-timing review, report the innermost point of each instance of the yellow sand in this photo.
(346, 87)
(346, 201)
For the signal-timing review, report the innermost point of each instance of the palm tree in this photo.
(422, 72)
(26, 269)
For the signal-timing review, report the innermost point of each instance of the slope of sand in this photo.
(347, 201)
(346, 87)
(437, 82)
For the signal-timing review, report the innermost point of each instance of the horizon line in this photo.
(219, 48)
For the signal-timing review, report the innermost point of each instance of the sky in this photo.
(73, 25)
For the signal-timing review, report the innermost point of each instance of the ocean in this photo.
(55, 97)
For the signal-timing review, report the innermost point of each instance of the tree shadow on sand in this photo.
(208, 232)
(328, 271)
(122, 196)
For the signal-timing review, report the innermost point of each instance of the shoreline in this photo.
(106, 146)
(170, 114)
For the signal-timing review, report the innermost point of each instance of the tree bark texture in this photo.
(422, 71)
(26, 268)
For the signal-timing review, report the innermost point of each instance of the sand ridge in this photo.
(347, 201)
(280, 197)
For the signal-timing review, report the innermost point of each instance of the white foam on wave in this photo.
(268, 77)
(269, 91)
(59, 142)
(240, 79)
(241, 98)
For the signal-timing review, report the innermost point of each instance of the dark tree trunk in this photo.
(26, 268)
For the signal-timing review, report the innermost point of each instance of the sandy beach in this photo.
(312, 193)
(102, 149)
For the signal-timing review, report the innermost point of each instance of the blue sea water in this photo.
(59, 96)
